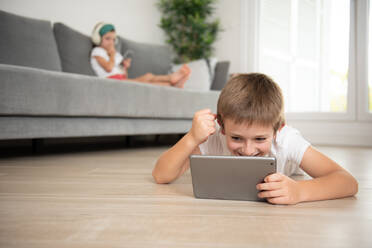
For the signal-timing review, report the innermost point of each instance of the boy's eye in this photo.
(261, 139)
(235, 138)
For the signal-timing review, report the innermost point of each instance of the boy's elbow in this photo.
(158, 179)
(355, 187)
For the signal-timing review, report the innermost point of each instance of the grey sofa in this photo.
(48, 89)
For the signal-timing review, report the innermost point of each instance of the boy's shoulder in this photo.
(289, 138)
(287, 132)
(288, 148)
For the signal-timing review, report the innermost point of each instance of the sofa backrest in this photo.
(156, 59)
(74, 50)
(27, 42)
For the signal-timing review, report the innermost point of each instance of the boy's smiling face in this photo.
(247, 140)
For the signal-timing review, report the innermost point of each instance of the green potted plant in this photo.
(188, 28)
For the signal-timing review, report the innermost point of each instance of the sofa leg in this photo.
(127, 141)
(157, 139)
(180, 136)
(37, 145)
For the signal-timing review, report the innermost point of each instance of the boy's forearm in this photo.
(170, 163)
(338, 184)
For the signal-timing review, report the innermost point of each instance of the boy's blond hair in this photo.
(252, 98)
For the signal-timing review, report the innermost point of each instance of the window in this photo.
(370, 60)
(320, 52)
(304, 46)
(364, 59)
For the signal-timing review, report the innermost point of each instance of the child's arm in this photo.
(126, 63)
(329, 181)
(127, 60)
(174, 162)
(107, 65)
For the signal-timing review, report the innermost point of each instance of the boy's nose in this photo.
(249, 150)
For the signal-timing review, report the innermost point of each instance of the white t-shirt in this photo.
(99, 51)
(288, 149)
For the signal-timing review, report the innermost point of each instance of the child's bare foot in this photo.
(182, 81)
(175, 77)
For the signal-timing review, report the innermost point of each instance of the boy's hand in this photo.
(203, 125)
(279, 189)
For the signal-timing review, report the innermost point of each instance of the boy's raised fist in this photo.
(203, 125)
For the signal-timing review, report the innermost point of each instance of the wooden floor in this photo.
(109, 199)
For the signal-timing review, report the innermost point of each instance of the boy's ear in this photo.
(220, 122)
(223, 131)
(280, 128)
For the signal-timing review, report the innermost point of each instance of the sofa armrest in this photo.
(221, 73)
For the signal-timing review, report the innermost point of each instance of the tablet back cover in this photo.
(229, 178)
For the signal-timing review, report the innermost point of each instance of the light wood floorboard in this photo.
(109, 199)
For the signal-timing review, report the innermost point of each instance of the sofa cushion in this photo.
(74, 49)
(200, 78)
(28, 42)
(35, 92)
(146, 58)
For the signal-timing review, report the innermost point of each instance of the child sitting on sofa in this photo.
(108, 63)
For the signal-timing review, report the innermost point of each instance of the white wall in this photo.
(134, 19)
(228, 44)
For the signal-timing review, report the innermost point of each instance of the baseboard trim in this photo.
(348, 133)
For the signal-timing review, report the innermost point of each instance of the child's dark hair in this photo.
(252, 98)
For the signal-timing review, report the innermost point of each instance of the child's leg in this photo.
(162, 83)
(181, 75)
(175, 78)
(149, 78)
(180, 84)
(143, 80)
(187, 72)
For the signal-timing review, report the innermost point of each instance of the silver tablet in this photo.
(229, 177)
